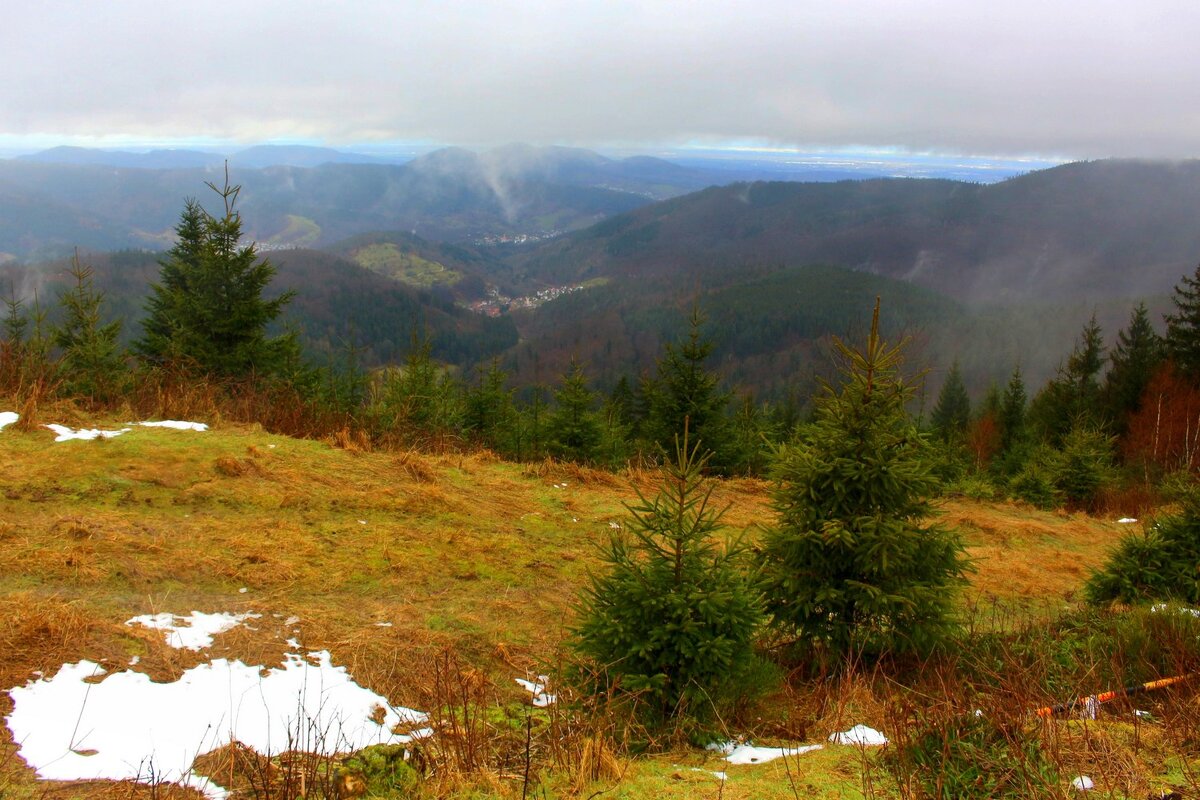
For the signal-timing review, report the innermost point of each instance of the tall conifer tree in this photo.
(1183, 327)
(952, 413)
(850, 564)
(1138, 353)
(208, 309)
(686, 394)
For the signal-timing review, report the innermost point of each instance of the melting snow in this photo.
(8, 418)
(1126, 521)
(194, 632)
(860, 735)
(1083, 784)
(66, 434)
(176, 424)
(537, 690)
(749, 754)
(127, 727)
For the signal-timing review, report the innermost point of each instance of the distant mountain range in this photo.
(453, 194)
(581, 259)
(1083, 230)
(250, 158)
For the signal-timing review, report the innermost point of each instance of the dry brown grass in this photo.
(460, 552)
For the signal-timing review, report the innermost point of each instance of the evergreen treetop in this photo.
(91, 363)
(850, 564)
(686, 394)
(672, 619)
(1138, 353)
(574, 431)
(208, 309)
(952, 413)
(1183, 327)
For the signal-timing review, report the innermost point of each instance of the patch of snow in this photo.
(291, 620)
(133, 662)
(860, 735)
(65, 434)
(132, 727)
(8, 418)
(1083, 784)
(749, 754)
(1160, 607)
(362, 522)
(383, 624)
(194, 632)
(1126, 521)
(243, 590)
(615, 525)
(537, 690)
(721, 776)
(175, 424)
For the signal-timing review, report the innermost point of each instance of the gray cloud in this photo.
(1081, 79)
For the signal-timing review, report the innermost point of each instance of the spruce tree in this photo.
(575, 432)
(671, 620)
(850, 564)
(685, 393)
(208, 309)
(1183, 327)
(1013, 442)
(952, 413)
(91, 363)
(1137, 355)
(1072, 397)
(489, 415)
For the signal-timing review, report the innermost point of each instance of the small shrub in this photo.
(968, 756)
(1159, 563)
(671, 622)
(1034, 484)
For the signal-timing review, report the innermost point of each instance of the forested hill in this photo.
(1081, 231)
(338, 306)
(456, 195)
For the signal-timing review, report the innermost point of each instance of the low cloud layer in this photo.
(1078, 79)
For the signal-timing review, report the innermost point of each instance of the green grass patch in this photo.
(389, 260)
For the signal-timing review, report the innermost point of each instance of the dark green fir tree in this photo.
(671, 619)
(575, 431)
(685, 393)
(208, 310)
(1137, 355)
(851, 564)
(91, 363)
(952, 414)
(1183, 327)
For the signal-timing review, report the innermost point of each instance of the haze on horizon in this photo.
(1023, 78)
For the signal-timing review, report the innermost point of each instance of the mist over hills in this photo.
(451, 194)
(992, 274)
(1079, 231)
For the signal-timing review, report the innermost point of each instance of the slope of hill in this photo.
(448, 195)
(1085, 230)
(401, 566)
(337, 304)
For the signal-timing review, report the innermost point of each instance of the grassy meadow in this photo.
(435, 580)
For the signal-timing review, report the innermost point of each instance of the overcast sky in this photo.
(1006, 77)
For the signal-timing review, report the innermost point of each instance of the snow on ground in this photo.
(860, 735)
(1126, 521)
(178, 425)
(8, 418)
(537, 690)
(127, 727)
(749, 754)
(65, 434)
(194, 632)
